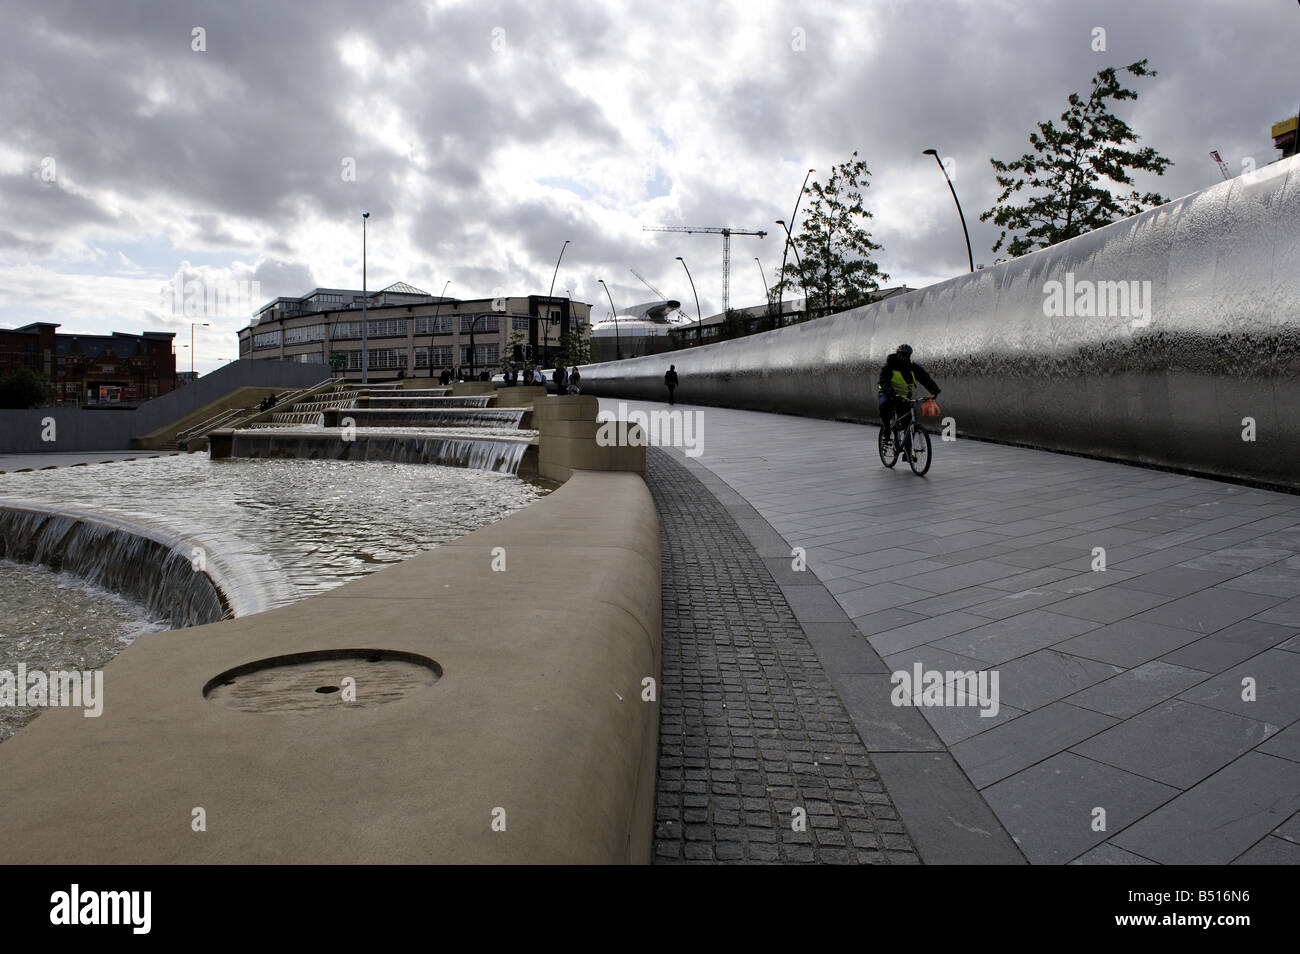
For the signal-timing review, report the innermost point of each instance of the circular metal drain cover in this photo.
(326, 679)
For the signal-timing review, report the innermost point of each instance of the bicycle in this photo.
(909, 439)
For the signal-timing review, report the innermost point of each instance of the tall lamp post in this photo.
(803, 282)
(546, 328)
(767, 295)
(193, 324)
(780, 308)
(618, 345)
(365, 358)
(935, 153)
(699, 319)
(436, 308)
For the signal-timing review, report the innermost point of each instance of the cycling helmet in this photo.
(905, 350)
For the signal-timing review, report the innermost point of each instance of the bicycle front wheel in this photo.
(919, 458)
(888, 453)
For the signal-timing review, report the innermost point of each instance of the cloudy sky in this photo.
(238, 141)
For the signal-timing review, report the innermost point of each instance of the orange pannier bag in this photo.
(930, 408)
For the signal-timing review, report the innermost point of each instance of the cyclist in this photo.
(898, 379)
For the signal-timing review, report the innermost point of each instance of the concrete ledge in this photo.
(519, 396)
(538, 712)
(567, 427)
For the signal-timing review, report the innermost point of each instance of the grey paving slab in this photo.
(1271, 851)
(1229, 646)
(1177, 580)
(1150, 560)
(1013, 604)
(1043, 677)
(1053, 809)
(883, 726)
(969, 718)
(1006, 749)
(1273, 693)
(1018, 636)
(1277, 580)
(1177, 743)
(1108, 854)
(1285, 745)
(923, 631)
(958, 599)
(881, 596)
(1221, 818)
(841, 648)
(952, 823)
(1289, 829)
(1285, 614)
(1091, 581)
(811, 602)
(963, 575)
(1110, 604)
(873, 623)
(1209, 610)
(1240, 559)
(1138, 689)
(1032, 578)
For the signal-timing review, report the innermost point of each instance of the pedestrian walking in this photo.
(670, 380)
(575, 381)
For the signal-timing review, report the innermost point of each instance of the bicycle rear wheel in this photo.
(919, 456)
(885, 444)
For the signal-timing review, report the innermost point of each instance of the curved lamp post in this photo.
(767, 295)
(803, 285)
(436, 309)
(546, 328)
(699, 319)
(365, 363)
(781, 276)
(935, 153)
(618, 346)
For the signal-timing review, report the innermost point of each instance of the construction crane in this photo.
(646, 282)
(1214, 154)
(726, 234)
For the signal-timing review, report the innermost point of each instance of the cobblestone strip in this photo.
(750, 727)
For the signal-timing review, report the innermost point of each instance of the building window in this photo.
(486, 324)
(520, 323)
(484, 355)
(304, 334)
(267, 339)
(346, 330)
(387, 357)
(312, 357)
(433, 324)
(438, 356)
(387, 328)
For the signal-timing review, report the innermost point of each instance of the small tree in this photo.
(1068, 164)
(23, 388)
(833, 264)
(517, 340)
(575, 347)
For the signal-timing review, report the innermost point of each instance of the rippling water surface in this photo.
(318, 523)
(53, 621)
(324, 522)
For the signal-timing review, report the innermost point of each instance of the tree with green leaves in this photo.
(1069, 164)
(24, 388)
(833, 264)
(575, 347)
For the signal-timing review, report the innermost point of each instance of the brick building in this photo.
(92, 369)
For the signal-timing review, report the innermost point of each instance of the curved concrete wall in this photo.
(538, 713)
(1221, 343)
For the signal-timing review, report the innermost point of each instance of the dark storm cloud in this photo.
(239, 149)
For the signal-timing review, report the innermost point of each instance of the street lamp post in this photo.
(436, 309)
(205, 324)
(546, 328)
(803, 279)
(767, 295)
(699, 319)
(365, 357)
(781, 277)
(618, 345)
(934, 152)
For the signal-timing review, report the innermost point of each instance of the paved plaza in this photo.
(1145, 713)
